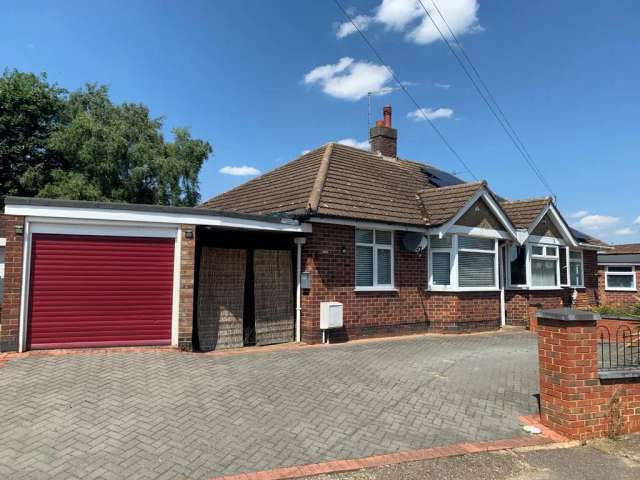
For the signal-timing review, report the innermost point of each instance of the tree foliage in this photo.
(80, 145)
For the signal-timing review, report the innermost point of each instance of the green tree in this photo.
(29, 109)
(105, 151)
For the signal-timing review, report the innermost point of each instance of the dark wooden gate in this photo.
(273, 292)
(221, 298)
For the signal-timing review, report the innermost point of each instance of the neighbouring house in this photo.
(403, 246)
(618, 276)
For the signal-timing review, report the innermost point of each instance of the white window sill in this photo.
(463, 289)
(375, 289)
(545, 288)
(620, 290)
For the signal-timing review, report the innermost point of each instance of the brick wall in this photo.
(409, 309)
(573, 399)
(187, 279)
(613, 298)
(10, 319)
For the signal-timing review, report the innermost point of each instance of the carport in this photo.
(93, 274)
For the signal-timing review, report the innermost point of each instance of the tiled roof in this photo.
(344, 182)
(624, 249)
(352, 183)
(441, 204)
(523, 212)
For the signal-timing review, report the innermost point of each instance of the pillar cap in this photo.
(568, 315)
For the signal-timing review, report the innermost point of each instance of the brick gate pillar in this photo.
(576, 398)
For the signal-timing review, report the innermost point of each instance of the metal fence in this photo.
(619, 349)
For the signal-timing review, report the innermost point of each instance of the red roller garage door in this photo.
(88, 291)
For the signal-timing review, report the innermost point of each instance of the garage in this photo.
(98, 290)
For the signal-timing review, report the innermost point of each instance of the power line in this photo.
(497, 112)
(403, 88)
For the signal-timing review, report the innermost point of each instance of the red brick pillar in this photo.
(10, 318)
(187, 283)
(571, 401)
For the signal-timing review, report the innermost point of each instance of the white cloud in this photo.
(597, 222)
(579, 214)
(625, 231)
(637, 221)
(429, 114)
(348, 79)
(304, 152)
(399, 15)
(444, 86)
(242, 171)
(345, 29)
(351, 142)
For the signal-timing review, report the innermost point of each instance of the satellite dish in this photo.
(414, 241)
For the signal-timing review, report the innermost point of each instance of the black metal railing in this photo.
(619, 349)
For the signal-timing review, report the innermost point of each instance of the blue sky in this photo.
(565, 73)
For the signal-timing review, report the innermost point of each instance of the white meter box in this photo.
(330, 315)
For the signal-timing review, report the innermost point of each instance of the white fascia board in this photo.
(368, 224)
(88, 214)
(493, 206)
(558, 222)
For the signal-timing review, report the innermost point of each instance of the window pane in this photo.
(476, 269)
(575, 255)
(517, 257)
(619, 269)
(1, 254)
(575, 274)
(384, 267)
(620, 281)
(552, 251)
(444, 242)
(364, 236)
(543, 273)
(537, 250)
(383, 238)
(441, 268)
(364, 266)
(475, 243)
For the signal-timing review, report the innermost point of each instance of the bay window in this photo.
(459, 262)
(576, 269)
(620, 278)
(374, 259)
(544, 266)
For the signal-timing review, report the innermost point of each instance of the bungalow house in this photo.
(402, 246)
(618, 276)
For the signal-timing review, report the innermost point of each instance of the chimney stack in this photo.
(384, 138)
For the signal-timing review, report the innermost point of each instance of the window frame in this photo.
(632, 273)
(454, 283)
(569, 262)
(517, 286)
(375, 287)
(535, 256)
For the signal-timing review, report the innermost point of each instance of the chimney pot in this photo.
(386, 112)
(379, 123)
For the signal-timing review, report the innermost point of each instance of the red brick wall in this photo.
(409, 309)
(187, 275)
(613, 298)
(10, 319)
(573, 399)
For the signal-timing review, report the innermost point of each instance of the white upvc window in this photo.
(621, 278)
(576, 268)
(544, 266)
(462, 263)
(374, 259)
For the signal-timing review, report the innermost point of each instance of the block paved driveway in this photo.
(178, 415)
